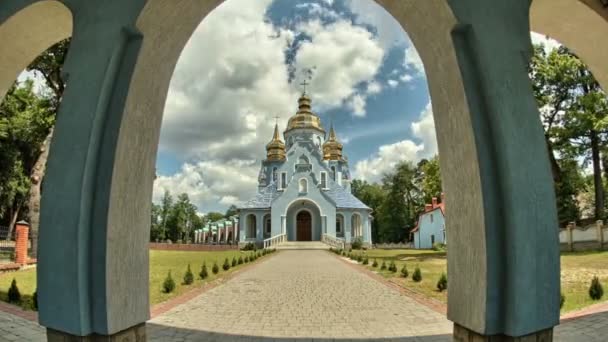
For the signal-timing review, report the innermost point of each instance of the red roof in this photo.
(429, 208)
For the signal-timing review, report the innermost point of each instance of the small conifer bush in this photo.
(188, 277)
(595, 290)
(226, 265)
(246, 258)
(404, 272)
(365, 261)
(375, 263)
(215, 269)
(392, 267)
(442, 283)
(234, 262)
(359, 258)
(204, 274)
(168, 284)
(562, 300)
(14, 295)
(417, 276)
(240, 261)
(383, 267)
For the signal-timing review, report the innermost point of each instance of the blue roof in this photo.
(343, 198)
(263, 199)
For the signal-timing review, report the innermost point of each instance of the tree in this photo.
(373, 195)
(429, 179)
(166, 206)
(26, 118)
(232, 210)
(573, 112)
(214, 216)
(181, 218)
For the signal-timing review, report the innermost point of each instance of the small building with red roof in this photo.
(430, 228)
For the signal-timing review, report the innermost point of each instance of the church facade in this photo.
(304, 187)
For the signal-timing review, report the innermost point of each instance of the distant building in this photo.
(304, 187)
(430, 228)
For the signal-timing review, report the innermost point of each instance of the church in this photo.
(304, 188)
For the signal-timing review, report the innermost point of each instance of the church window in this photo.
(303, 186)
(432, 239)
(283, 180)
(333, 173)
(267, 225)
(323, 179)
(274, 174)
(431, 218)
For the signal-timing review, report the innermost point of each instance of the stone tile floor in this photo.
(304, 296)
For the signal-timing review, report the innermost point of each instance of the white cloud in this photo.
(392, 83)
(357, 104)
(413, 61)
(211, 182)
(384, 160)
(232, 79)
(352, 48)
(389, 31)
(374, 88)
(405, 78)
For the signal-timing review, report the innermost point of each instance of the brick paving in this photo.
(304, 296)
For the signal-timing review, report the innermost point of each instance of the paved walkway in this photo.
(310, 295)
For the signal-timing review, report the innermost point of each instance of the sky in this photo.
(243, 67)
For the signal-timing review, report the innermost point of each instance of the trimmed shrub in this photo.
(562, 300)
(234, 262)
(357, 243)
(359, 258)
(215, 269)
(442, 283)
(392, 267)
(14, 295)
(375, 263)
(365, 261)
(188, 277)
(383, 267)
(246, 258)
(240, 261)
(404, 272)
(417, 276)
(250, 246)
(168, 284)
(596, 291)
(204, 274)
(226, 265)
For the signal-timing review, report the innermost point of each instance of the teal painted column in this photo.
(91, 280)
(504, 274)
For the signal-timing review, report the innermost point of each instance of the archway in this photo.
(339, 225)
(267, 226)
(251, 226)
(356, 226)
(303, 225)
(486, 123)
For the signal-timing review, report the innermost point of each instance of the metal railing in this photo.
(7, 244)
(275, 240)
(333, 241)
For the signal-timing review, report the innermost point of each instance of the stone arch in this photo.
(267, 223)
(27, 33)
(581, 25)
(339, 225)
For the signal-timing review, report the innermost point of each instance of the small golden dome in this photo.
(332, 148)
(275, 149)
(304, 118)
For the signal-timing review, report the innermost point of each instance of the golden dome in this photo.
(304, 118)
(275, 149)
(332, 148)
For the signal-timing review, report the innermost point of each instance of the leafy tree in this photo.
(373, 195)
(232, 210)
(181, 219)
(398, 211)
(166, 206)
(214, 216)
(429, 178)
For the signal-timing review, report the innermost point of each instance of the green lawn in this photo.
(161, 262)
(577, 269)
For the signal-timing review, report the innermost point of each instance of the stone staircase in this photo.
(317, 245)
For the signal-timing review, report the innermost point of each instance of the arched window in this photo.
(267, 226)
(333, 173)
(303, 186)
(339, 225)
(251, 226)
(303, 160)
(274, 174)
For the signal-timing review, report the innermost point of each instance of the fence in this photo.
(7, 245)
(190, 247)
(590, 237)
(15, 244)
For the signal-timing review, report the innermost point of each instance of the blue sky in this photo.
(243, 66)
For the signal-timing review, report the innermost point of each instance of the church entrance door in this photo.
(304, 226)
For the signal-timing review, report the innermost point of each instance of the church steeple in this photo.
(275, 149)
(332, 148)
(305, 117)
